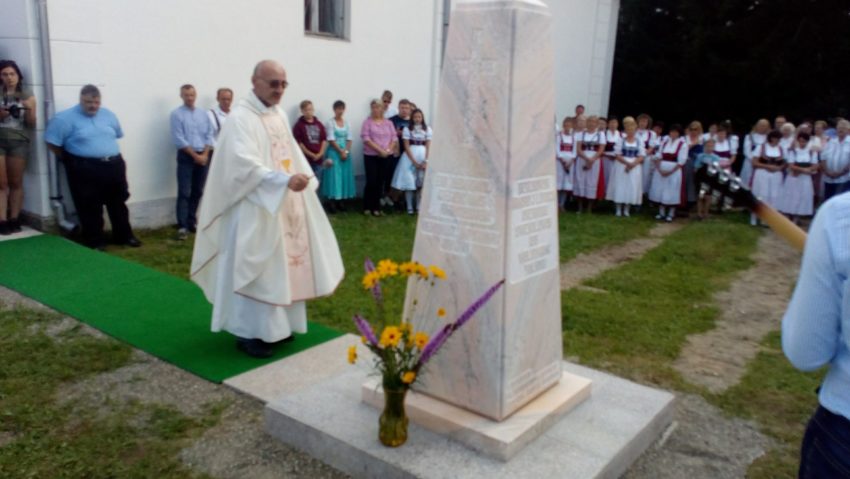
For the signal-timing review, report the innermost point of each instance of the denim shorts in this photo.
(17, 148)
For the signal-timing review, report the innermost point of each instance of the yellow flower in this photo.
(391, 336)
(406, 328)
(407, 268)
(408, 377)
(352, 354)
(420, 339)
(387, 268)
(421, 271)
(370, 279)
(438, 272)
(441, 312)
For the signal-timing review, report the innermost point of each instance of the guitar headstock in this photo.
(712, 177)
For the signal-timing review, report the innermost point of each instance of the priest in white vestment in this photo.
(264, 244)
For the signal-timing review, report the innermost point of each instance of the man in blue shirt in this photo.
(85, 138)
(816, 333)
(193, 135)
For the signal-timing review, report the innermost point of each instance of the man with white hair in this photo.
(835, 162)
(264, 244)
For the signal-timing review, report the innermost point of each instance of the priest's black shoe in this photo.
(285, 340)
(254, 347)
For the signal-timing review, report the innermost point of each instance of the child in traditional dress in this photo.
(768, 171)
(338, 178)
(410, 172)
(589, 172)
(798, 190)
(566, 148)
(612, 138)
(724, 147)
(626, 185)
(752, 145)
(707, 157)
(647, 135)
(667, 179)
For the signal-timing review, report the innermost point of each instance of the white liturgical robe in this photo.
(262, 249)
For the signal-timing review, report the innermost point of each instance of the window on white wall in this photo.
(328, 18)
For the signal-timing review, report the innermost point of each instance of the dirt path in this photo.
(586, 266)
(752, 307)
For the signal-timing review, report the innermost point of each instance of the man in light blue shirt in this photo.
(193, 136)
(85, 137)
(835, 162)
(816, 333)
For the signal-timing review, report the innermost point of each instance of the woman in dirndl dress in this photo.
(612, 139)
(666, 187)
(752, 145)
(798, 190)
(589, 179)
(625, 188)
(566, 157)
(768, 172)
(337, 182)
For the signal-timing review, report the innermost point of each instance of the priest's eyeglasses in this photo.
(277, 83)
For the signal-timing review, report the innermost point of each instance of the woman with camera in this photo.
(17, 115)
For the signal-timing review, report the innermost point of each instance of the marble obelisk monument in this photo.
(488, 209)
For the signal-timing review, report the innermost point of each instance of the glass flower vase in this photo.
(392, 426)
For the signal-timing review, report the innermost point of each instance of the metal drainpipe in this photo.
(54, 180)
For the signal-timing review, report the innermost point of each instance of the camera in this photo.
(15, 111)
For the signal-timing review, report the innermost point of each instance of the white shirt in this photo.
(217, 119)
(836, 155)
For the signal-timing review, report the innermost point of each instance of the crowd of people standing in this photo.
(791, 168)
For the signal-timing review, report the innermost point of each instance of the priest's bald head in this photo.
(269, 81)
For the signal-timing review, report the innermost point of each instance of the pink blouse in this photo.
(382, 134)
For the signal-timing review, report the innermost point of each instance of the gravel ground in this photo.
(702, 443)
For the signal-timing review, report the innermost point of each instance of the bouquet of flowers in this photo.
(400, 351)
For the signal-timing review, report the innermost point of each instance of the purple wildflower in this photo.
(441, 337)
(434, 345)
(474, 307)
(365, 330)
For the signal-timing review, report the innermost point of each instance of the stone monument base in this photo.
(500, 440)
(314, 404)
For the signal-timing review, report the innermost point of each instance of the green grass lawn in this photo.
(43, 436)
(637, 329)
(392, 237)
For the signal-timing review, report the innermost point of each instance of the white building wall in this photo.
(140, 52)
(585, 37)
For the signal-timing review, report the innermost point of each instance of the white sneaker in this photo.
(669, 219)
(619, 214)
(626, 214)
